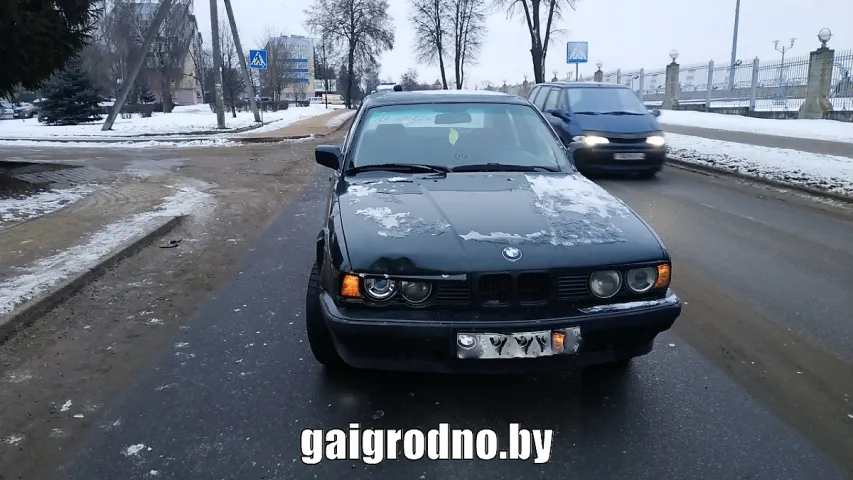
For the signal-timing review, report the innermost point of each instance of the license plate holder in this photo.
(629, 156)
(518, 345)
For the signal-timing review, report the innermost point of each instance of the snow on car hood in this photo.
(462, 221)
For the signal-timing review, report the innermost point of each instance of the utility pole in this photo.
(250, 90)
(159, 16)
(734, 49)
(217, 65)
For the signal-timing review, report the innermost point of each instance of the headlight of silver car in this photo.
(656, 140)
(591, 140)
(605, 284)
(641, 280)
(415, 292)
(380, 289)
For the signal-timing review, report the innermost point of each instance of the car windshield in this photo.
(605, 100)
(452, 135)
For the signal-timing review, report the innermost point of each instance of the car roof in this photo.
(582, 85)
(389, 97)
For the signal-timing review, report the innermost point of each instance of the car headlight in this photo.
(380, 289)
(656, 141)
(591, 140)
(415, 292)
(641, 280)
(605, 284)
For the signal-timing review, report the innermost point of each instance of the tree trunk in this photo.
(538, 67)
(350, 75)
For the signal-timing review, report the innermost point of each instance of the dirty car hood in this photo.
(461, 222)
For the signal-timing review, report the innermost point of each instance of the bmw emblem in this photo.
(511, 253)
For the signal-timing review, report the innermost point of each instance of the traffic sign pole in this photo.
(242, 58)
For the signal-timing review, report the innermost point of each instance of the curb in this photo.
(291, 137)
(26, 313)
(684, 165)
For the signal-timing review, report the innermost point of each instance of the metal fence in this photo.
(776, 85)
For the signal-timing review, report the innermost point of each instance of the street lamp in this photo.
(599, 65)
(782, 50)
(824, 35)
(673, 54)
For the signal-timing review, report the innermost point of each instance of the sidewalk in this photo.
(317, 126)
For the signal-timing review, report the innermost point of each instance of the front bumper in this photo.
(602, 159)
(389, 341)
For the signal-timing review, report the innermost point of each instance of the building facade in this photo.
(299, 65)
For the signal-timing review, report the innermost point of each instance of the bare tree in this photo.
(233, 82)
(279, 75)
(431, 21)
(123, 28)
(202, 63)
(535, 13)
(362, 26)
(469, 27)
(325, 54)
(371, 77)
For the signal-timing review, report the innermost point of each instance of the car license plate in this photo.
(544, 343)
(629, 156)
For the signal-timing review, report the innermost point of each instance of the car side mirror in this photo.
(328, 156)
(656, 112)
(561, 114)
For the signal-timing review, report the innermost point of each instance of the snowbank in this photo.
(829, 130)
(823, 172)
(186, 119)
(26, 207)
(40, 275)
(340, 119)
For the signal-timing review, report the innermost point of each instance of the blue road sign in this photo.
(577, 52)
(258, 59)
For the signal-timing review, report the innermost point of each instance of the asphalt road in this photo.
(750, 384)
(802, 144)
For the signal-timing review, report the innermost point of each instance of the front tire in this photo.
(319, 338)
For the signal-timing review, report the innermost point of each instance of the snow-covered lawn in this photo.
(830, 130)
(25, 207)
(823, 172)
(40, 275)
(183, 120)
(160, 143)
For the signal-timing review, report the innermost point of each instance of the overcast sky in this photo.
(626, 34)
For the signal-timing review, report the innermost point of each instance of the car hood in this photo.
(461, 223)
(619, 124)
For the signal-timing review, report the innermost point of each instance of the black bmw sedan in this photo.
(459, 237)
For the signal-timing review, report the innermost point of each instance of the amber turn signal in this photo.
(558, 342)
(663, 276)
(349, 286)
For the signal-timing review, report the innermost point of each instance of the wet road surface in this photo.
(749, 384)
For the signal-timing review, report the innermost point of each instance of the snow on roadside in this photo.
(828, 130)
(40, 275)
(26, 207)
(824, 172)
(340, 119)
(182, 120)
(214, 142)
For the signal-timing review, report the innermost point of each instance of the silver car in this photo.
(7, 110)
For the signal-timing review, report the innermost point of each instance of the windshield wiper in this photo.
(622, 112)
(587, 113)
(502, 167)
(398, 167)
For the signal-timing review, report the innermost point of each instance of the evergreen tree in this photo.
(71, 97)
(145, 94)
(39, 36)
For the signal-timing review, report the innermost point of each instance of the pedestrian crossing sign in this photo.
(577, 52)
(258, 59)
